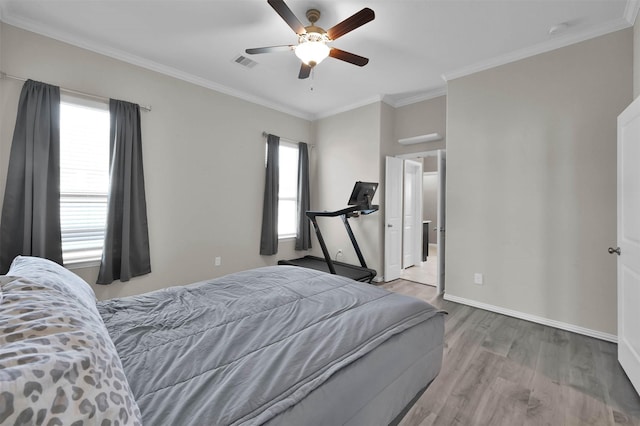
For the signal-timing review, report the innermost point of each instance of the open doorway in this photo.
(430, 269)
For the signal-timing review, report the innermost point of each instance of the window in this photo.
(288, 192)
(84, 178)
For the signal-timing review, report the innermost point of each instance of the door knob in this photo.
(389, 225)
(614, 250)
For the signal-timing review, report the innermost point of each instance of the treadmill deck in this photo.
(357, 273)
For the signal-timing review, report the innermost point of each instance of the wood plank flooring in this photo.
(499, 370)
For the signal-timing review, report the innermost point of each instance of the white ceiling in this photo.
(413, 45)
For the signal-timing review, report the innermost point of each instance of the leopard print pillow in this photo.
(58, 365)
(57, 277)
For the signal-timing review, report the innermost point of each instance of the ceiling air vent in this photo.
(245, 62)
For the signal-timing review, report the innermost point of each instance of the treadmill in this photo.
(359, 204)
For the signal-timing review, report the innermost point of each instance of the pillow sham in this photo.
(58, 364)
(52, 275)
(4, 279)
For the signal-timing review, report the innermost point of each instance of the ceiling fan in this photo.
(312, 45)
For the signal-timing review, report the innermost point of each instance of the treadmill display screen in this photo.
(362, 194)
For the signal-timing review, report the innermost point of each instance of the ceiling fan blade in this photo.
(269, 49)
(305, 71)
(354, 59)
(285, 13)
(351, 23)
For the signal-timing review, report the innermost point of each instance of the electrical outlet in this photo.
(478, 278)
(218, 261)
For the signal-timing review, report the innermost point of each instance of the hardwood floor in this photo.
(499, 370)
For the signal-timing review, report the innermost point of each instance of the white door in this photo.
(440, 225)
(628, 249)
(417, 226)
(412, 223)
(393, 219)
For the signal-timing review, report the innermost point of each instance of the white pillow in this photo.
(52, 275)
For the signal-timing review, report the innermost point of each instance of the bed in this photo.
(277, 345)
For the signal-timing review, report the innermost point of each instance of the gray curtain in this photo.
(303, 232)
(126, 242)
(269, 237)
(31, 210)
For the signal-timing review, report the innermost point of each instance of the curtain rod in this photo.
(265, 134)
(75, 92)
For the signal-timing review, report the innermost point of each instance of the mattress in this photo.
(374, 389)
(273, 346)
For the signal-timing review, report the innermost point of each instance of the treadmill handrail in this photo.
(351, 209)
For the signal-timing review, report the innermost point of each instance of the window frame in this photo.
(87, 260)
(288, 236)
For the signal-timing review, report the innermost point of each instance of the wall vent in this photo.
(245, 62)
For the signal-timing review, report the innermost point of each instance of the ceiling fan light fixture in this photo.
(313, 41)
(312, 48)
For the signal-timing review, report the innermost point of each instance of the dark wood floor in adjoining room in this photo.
(499, 370)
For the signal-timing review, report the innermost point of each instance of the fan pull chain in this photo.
(311, 80)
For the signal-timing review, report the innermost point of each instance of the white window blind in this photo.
(288, 192)
(84, 178)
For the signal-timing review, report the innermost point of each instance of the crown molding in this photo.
(547, 46)
(631, 11)
(387, 99)
(147, 64)
(350, 107)
(424, 96)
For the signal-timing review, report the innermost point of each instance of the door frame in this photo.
(441, 207)
(441, 219)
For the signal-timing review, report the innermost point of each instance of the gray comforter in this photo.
(242, 348)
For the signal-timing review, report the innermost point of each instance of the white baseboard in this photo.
(533, 318)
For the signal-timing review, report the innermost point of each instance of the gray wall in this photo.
(531, 182)
(203, 156)
(421, 118)
(348, 146)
